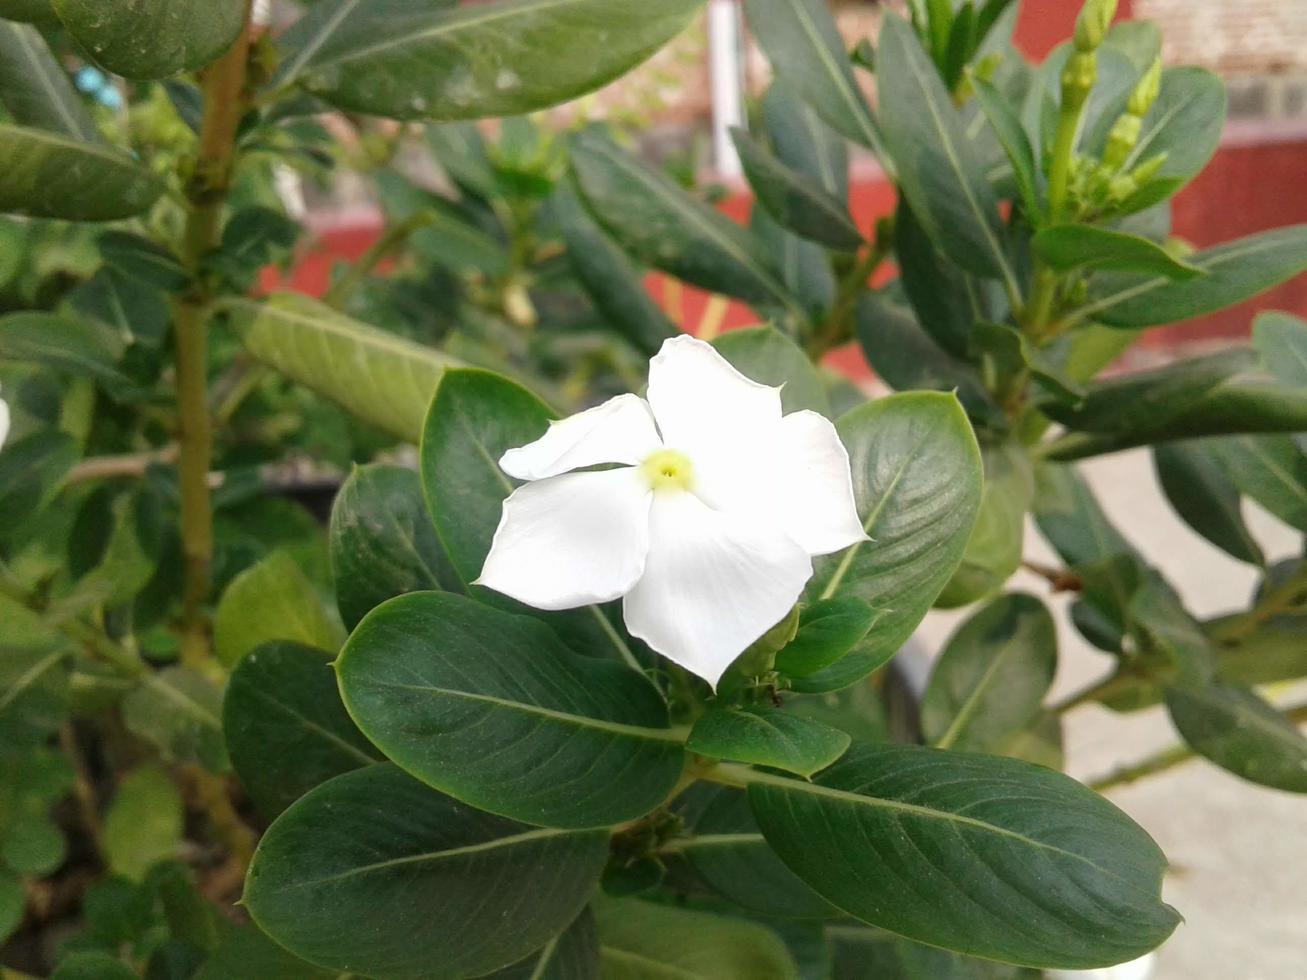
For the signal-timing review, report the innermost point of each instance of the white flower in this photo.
(707, 525)
(4, 422)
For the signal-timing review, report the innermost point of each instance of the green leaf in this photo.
(1006, 860)
(767, 737)
(475, 418)
(13, 903)
(378, 376)
(34, 845)
(1240, 732)
(285, 695)
(1071, 519)
(793, 201)
(917, 481)
(806, 50)
(144, 260)
(766, 355)
(906, 358)
(272, 600)
(1236, 271)
(32, 470)
(1227, 392)
(803, 141)
(490, 707)
(63, 343)
(643, 941)
(349, 876)
(247, 953)
(608, 276)
(33, 688)
(990, 681)
(804, 267)
(938, 174)
(438, 61)
(27, 11)
(1272, 470)
(1067, 247)
(728, 851)
(127, 308)
(574, 955)
(662, 225)
(92, 966)
(48, 175)
(1281, 340)
(994, 550)
(947, 301)
(1205, 498)
(828, 629)
(36, 90)
(153, 38)
(178, 711)
(1006, 123)
(383, 543)
(143, 824)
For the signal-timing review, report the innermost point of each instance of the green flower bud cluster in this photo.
(1093, 23)
(1125, 132)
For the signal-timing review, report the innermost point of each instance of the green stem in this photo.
(1114, 684)
(225, 99)
(390, 242)
(837, 327)
(1280, 599)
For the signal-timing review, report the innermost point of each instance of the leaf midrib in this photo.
(579, 721)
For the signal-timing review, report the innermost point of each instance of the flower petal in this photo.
(4, 421)
(812, 485)
(704, 406)
(713, 584)
(571, 540)
(621, 430)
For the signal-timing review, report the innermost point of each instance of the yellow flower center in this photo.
(668, 469)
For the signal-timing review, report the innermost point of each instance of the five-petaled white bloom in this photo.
(707, 526)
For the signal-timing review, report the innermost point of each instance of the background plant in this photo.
(170, 612)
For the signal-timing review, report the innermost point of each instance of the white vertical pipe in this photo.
(727, 81)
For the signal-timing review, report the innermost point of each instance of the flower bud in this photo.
(1122, 139)
(1092, 24)
(1145, 172)
(1078, 78)
(1145, 93)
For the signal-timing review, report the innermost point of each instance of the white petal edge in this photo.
(571, 540)
(713, 584)
(703, 405)
(4, 421)
(621, 430)
(812, 485)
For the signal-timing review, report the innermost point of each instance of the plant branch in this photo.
(112, 467)
(1061, 579)
(225, 100)
(394, 238)
(1279, 600)
(837, 327)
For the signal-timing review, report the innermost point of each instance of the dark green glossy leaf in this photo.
(1072, 520)
(36, 90)
(1236, 271)
(947, 301)
(574, 955)
(153, 38)
(1205, 498)
(937, 171)
(917, 481)
(804, 266)
(490, 707)
(805, 48)
(1281, 339)
(142, 259)
(645, 941)
(662, 225)
(246, 953)
(127, 308)
(378, 376)
(1237, 730)
(383, 543)
(178, 710)
(442, 61)
(1272, 470)
(272, 600)
(285, 695)
(31, 472)
(765, 354)
(612, 281)
(347, 878)
(793, 201)
(729, 853)
(860, 951)
(1006, 123)
(1006, 860)
(992, 677)
(828, 629)
(1067, 247)
(803, 141)
(767, 737)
